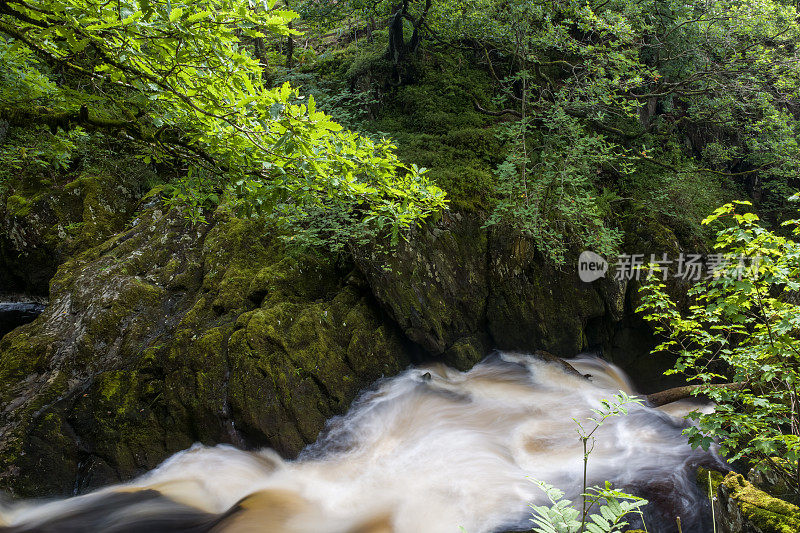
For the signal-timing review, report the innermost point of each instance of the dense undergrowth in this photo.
(603, 127)
(435, 121)
(569, 124)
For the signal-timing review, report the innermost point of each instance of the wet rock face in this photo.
(15, 314)
(436, 288)
(39, 229)
(534, 305)
(458, 290)
(168, 334)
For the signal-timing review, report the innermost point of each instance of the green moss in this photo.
(117, 395)
(100, 211)
(234, 251)
(313, 355)
(764, 476)
(703, 479)
(465, 353)
(431, 115)
(436, 126)
(20, 355)
(140, 293)
(262, 340)
(353, 61)
(366, 57)
(465, 173)
(768, 514)
(46, 224)
(18, 206)
(87, 210)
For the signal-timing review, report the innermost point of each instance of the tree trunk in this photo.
(261, 55)
(398, 48)
(289, 49)
(289, 42)
(370, 28)
(397, 44)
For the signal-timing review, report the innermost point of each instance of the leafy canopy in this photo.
(663, 104)
(179, 79)
(614, 100)
(603, 89)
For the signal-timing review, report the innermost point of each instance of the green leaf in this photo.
(175, 14)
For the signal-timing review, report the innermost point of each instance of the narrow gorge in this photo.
(399, 266)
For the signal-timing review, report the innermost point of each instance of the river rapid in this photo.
(430, 450)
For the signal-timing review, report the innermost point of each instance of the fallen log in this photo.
(550, 358)
(674, 394)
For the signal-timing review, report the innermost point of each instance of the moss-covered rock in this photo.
(535, 305)
(627, 338)
(436, 287)
(458, 290)
(169, 333)
(766, 478)
(743, 508)
(43, 225)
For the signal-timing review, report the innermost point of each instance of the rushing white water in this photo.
(427, 451)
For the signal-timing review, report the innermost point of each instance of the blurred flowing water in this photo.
(430, 450)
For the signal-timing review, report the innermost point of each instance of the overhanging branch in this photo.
(81, 117)
(680, 393)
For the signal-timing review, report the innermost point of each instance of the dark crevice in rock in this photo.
(230, 426)
(489, 290)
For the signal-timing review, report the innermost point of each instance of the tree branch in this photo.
(68, 120)
(679, 393)
(494, 113)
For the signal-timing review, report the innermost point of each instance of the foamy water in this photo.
(430, 450)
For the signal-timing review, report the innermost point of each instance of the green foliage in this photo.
(178, 79)
(674, 107)
(680, 202)
(38, 150)
(21, 83)
(547, 188)
(562, 517)
(634, 78)
(615, 407)
(742, 329)
(430, 115)
(341, 81)
(434, 124)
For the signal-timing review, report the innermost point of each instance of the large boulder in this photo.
(533, 304)
(457, 289)
(170, 333)
(435, 286)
